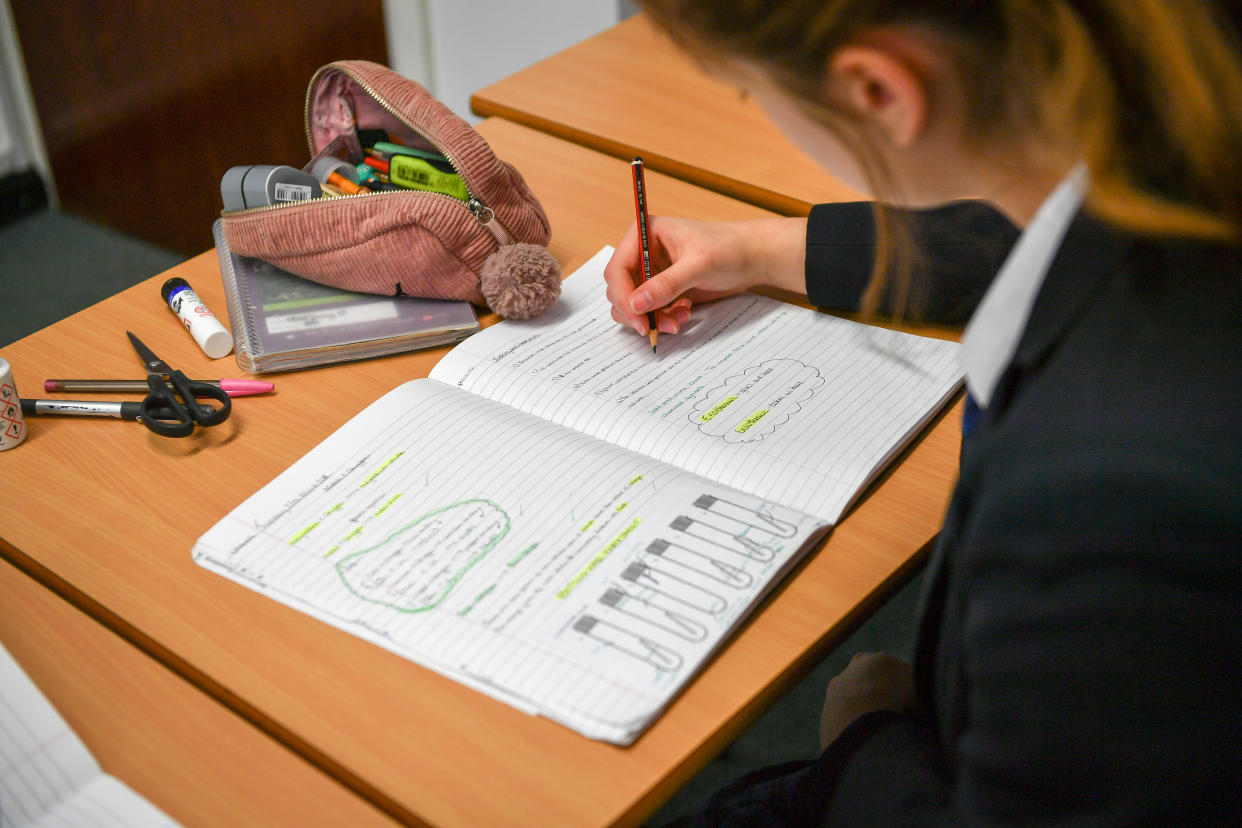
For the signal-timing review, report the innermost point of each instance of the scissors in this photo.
(162, 411)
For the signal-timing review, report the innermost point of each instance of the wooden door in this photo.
(145, 103)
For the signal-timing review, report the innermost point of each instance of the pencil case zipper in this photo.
(483, 214)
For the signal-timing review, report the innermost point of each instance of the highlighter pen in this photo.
(83, 408)
(640, 208)
(232, 387)
(417, 174)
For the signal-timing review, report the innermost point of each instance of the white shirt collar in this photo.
(991, 337)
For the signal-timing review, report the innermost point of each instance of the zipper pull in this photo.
(481, 211)
(487, 218)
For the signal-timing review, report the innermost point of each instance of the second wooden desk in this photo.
(629, 91)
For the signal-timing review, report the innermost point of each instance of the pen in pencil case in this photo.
(385, 151)
(232, 387)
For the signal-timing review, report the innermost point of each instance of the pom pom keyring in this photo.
(520, 280)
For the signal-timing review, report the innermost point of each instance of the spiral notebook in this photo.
(282, 322)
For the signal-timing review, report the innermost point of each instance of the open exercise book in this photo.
(47, 776)
(561, 519)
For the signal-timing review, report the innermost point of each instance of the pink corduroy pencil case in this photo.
(486, 243)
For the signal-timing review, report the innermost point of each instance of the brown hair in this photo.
(1147, 92)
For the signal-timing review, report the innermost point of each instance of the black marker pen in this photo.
(88, 408)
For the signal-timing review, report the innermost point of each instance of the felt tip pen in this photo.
(85, 408)
(232, 387)
(376, 164)
(387, 150)
(380, 184)
(342, 183)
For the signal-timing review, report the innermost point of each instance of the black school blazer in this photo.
(1079, 658)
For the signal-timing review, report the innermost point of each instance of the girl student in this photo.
(1079, 654)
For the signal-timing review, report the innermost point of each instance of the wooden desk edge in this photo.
(751, 194)
(122, 705)
(205, 683)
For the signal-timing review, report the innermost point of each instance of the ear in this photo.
(877, 85)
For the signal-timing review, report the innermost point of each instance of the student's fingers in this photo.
(621, 273)
(666, 286)
(624, 274)
(667, 323)
(638, 323)
(671, 319)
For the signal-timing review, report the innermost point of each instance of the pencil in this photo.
(640, 208)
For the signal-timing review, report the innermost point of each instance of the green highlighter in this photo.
(419, 174)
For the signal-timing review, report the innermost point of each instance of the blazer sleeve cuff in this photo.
(840, 254)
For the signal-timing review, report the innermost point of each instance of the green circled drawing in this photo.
(385, 566)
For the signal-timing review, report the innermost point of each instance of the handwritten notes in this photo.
(519, 558)
(787, 403)
(564, 522)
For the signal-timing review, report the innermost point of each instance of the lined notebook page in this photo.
(47, 776)
(564, 575)
(786, 403)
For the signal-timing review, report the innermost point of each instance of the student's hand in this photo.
(871, 681)
(697, 261)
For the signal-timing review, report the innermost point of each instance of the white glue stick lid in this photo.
(216, 344)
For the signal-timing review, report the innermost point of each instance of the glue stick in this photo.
(202, 324)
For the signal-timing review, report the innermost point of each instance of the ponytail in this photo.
(1159, 114)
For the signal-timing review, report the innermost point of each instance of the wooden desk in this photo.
(180, 749)
(107, 513)
(629, 91)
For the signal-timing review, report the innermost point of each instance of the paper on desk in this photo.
(47, 776)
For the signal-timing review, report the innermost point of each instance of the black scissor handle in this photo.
(175, 419)
(191, 390)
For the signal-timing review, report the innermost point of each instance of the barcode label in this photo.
(293, 192)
